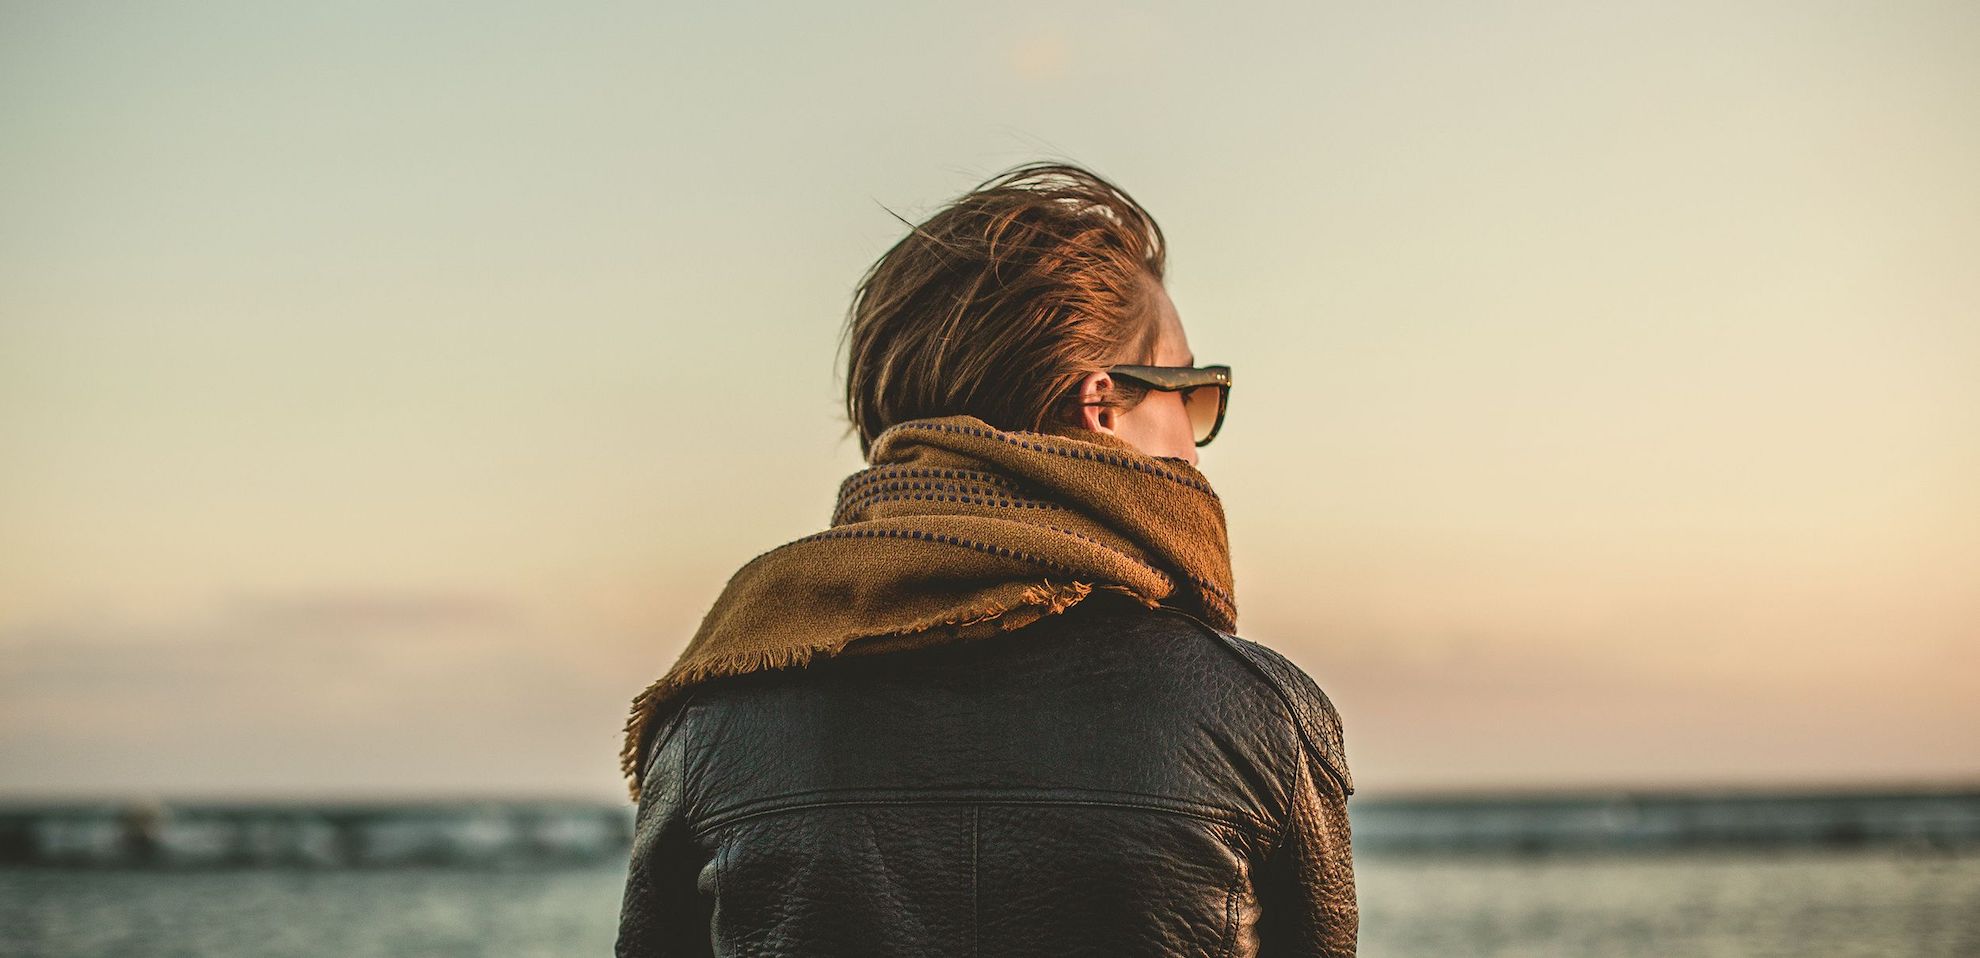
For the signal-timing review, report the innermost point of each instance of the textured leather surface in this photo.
(1112, 781)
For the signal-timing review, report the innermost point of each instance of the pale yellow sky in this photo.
(386, 390)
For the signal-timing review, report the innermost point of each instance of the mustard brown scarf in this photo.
(959, 530)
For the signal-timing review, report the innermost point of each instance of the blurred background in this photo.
(387, 389)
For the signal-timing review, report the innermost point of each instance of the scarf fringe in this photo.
(1040, 599)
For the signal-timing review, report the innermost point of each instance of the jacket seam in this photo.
(1230, 918)
(721, 852)
(975, 881)
(1292, 813)
(1236, 817)
(717, 822)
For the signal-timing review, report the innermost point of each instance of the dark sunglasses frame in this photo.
(1179, 378)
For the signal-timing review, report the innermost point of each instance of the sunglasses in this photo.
(1206, 391)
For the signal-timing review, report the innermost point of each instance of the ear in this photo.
(1096, 418)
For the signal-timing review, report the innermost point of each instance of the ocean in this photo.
(1590, 876)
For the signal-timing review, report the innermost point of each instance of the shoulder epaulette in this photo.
(1313, 712)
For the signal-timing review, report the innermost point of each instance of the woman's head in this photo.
(1008, 305)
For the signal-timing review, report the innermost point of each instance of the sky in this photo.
(388, 389)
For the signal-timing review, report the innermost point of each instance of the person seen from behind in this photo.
(997, 706)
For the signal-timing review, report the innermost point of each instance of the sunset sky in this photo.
(387, 389)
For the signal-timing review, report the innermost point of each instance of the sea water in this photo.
(1802, 903)
(1606, 877)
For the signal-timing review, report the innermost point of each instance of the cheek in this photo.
(1176, 412)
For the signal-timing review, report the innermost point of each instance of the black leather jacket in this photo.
(1111, 781)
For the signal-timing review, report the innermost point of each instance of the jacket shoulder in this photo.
(1313, 713)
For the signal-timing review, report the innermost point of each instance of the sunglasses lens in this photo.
(1204, 404)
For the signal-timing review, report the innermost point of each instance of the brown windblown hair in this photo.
(1001, 302)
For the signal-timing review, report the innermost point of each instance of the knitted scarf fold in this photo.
(959, 530)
